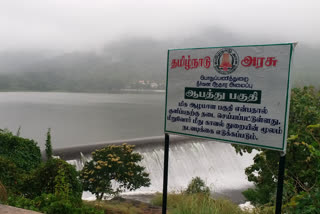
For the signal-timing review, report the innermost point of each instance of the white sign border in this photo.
(286, 116)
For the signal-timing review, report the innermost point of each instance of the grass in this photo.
(182, 203)
(115, 207)
(197, 204)
(123, 206)
(178, 203)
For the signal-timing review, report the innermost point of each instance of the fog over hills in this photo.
(124, 62)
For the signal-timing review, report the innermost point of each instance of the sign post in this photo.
(280, 183)
(233, 94)
(165, 174)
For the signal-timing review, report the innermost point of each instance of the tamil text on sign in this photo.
(236, 94)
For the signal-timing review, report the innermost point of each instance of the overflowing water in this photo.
(216, 163)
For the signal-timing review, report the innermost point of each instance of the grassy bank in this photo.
(124, 206)
(177, 204)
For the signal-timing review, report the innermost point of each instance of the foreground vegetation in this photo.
(50, 187)
(54, 186)
(196, 199)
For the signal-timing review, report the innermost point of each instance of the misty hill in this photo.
(122, 64)
(115, 67)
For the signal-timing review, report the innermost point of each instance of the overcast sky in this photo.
(89, 24)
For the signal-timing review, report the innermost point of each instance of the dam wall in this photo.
(216, 163)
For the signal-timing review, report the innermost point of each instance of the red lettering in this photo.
(247, 61)
(201, 62)
(174, 63)
(271, 61)
(258, 62)
(208, 62)
(182, 61)
(254, 61)
(195, 63)
(189, 63)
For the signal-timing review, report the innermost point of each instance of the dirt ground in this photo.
(13, 210)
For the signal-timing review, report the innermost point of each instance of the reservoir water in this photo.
(82, 118)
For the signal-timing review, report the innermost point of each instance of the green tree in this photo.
(48, 145)
(114, 163)
(308, 200)
(197, 185)
(301, 175)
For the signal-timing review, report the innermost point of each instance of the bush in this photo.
(52, 187)
(114, 163)
(22, 202)
(54, 177)
(10, 175)
(305, 203)
(24, 153)
(197, 185)
(51, 204)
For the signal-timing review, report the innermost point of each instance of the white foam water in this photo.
(216, 163)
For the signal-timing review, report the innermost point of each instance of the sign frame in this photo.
(287, 100)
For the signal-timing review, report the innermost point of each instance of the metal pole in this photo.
(165, 174)
(280, 183)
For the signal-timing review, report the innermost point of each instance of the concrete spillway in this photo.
(216, 163)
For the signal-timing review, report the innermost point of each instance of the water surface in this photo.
(82, 118)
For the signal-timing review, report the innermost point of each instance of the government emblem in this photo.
(226, 61)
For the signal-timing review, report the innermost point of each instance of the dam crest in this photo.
(216, 163)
